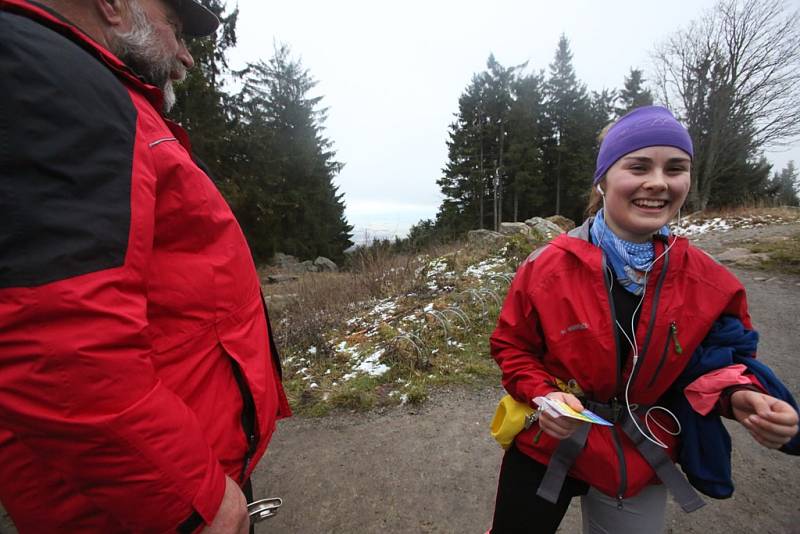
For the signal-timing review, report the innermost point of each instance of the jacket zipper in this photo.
(672, 337)
(249, 423)
(651, 324)
(623, 469)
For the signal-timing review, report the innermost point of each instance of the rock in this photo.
(280, 278)
(752, 260)
(513, 228)
(743, 257)
(733, 255)
(485, 236)
(303, 267)
(542, 229)
(562, 222)
(283, 260)
(325, 265)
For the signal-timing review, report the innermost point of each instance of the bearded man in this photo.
(139, 384)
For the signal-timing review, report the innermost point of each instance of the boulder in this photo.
(733, 254)
(305, 267)
(485, 236)
(562, 222)
(325, 265)
(743, 257)
(542, 229)
(283, 260)
(513, 228)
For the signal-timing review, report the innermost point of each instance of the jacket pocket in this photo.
(672, 338)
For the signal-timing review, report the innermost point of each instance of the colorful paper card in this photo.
(557, 408)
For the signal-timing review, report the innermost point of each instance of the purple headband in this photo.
(640, 128)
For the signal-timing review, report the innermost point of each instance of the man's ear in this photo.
(111, 11)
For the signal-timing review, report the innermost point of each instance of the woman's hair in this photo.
(595, 198)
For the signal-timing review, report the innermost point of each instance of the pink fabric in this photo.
(704, 392)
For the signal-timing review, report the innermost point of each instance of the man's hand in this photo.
(561, 427)
(232, 515)
(772, 422)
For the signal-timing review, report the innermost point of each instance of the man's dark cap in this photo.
(197, 20)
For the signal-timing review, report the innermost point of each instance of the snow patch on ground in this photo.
(482, 269)
(371, 365)
(693, 229)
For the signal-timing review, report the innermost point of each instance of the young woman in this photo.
(607, 317)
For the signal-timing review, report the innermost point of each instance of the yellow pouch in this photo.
(509, 420)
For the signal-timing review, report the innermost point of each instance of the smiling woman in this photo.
(649, 301)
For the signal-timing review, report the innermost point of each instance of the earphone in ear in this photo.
(600, 190)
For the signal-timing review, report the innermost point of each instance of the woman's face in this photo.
(644, 190)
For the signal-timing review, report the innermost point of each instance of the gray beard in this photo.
(140, 50)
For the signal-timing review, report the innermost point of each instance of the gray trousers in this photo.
(642, 514)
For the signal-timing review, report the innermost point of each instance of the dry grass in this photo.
(419, 315)
(304, 310)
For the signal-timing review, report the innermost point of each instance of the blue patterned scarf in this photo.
(630, 261)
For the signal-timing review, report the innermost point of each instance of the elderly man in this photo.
(139, 384)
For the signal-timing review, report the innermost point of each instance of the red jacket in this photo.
(136, 367)
(557, 323)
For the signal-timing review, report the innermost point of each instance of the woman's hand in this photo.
(772, 422)
(561, 427)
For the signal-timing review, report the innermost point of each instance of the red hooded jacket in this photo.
(558, 322)
(136, 363)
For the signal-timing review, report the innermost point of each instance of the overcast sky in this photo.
(391, 74)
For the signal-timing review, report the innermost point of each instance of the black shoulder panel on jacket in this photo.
(67, 131)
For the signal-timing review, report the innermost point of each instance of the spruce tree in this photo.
(571, 153)
(785, 186)
(633, 94)
(528, 131)
(297, 208)
(465, 176)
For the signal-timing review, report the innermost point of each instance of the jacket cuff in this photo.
(703, 394)
(209, 496)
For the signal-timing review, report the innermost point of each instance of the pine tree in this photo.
(633, 95)
(528, 131)
(297, 208)
(464, 180)
(498, 102)
(785, 186)
(571, 152)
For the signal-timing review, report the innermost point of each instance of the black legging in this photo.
(518, 509)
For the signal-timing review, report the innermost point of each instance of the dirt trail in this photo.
(433, 469)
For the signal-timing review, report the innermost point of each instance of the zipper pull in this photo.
(619, 502)
(674, 328)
